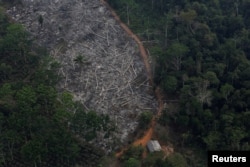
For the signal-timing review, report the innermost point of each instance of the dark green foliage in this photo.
(156, 160)
(145, 119)
(176, 160)
(34, 118)
(3, 21)
(203, 59)
(153, 159)
(132, 162)
(164, 119)
(17, 57)
(169, 84)
(80, 59)
(40, 20)
(88, 124)
(134, 152)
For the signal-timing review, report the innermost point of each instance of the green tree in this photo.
(132, 162)
(176, 160)
(188, 17)
(170, 84)
(46, 97)
(233, 137)
(33, 151)
(204, 96)
(152, 158)
(16, 44)
(212, 140)
(80, 59)
(5, 71)
(12, 139)
(133, 152)
(212, 78)
(130, 6)
(175, 53)
(145, 119)
(34, 118)
(40, 20)
(6, 96)
(226, 90)
(3, 21)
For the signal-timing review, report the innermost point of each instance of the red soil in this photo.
(149, 133)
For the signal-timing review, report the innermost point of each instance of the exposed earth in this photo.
(112, 79)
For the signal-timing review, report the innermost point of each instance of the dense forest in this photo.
(201, 58)
(201, 55)
(38, 125)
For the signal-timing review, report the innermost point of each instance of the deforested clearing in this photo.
(100, 63)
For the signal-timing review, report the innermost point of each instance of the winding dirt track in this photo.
(148, 134)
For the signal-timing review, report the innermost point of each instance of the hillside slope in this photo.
(100, 64)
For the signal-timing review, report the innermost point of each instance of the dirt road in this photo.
(148, 134)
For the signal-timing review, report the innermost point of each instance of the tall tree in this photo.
(175, 53)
